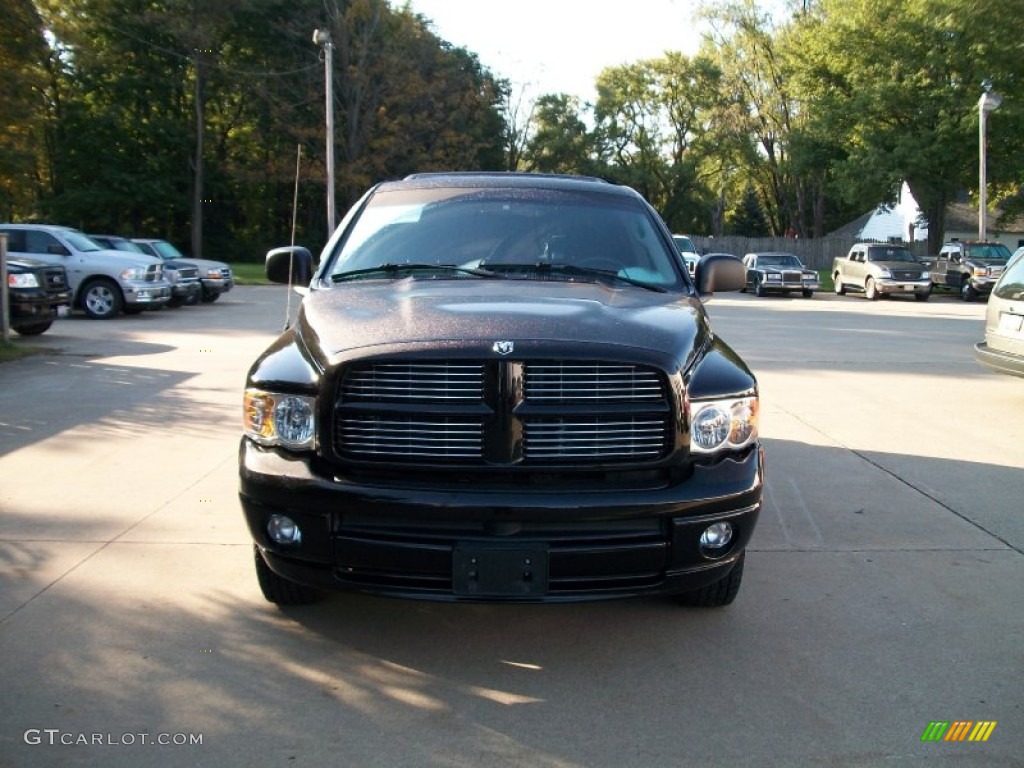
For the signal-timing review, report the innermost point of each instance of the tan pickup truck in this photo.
(880, 269)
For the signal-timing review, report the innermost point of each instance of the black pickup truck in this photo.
(501, 387)
(38, 293)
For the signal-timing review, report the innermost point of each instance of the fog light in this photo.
(716, 538)
(283, 530)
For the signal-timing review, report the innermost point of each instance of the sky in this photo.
(560, 46)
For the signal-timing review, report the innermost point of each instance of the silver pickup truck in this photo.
(103, 283)
(880, 269)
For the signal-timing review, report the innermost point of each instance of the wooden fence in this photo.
(815, 254)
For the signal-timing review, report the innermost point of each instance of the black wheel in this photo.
(837, 285)
(716, 594)
(279, 590)
(34, 329)
(869, 289)
(808, 293)
(209, 297)
(759, 288)
(101, 299)
(923, 295)
(967, 292)
(175, 301)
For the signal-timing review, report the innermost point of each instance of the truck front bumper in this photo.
(889, 286)
(471, 543)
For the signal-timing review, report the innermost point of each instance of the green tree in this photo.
(898, 83)
(22, 82)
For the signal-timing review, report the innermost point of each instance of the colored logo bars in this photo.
(958, 730)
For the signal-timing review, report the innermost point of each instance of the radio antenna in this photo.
(291, 250)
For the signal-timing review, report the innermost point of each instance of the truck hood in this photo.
(354, 316)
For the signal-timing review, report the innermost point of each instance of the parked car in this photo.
(970, 267)
(881, 269)
(103, 282)
(214, 276)
(778, 272)
(501, 387)
(1003, 347)
(183, 277)
(688, 251)
(38, 294)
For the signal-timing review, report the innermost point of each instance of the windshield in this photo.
(684, 244)
(126, 245)
(79, 241)
(167, 251)
(1011, 285)
(513, 233)
(892, 253)
(778, 260)
(990, 251)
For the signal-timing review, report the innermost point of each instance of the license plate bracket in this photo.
(499, 570)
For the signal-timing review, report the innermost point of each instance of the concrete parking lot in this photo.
(884, 589)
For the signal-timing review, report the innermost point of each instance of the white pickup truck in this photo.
(881, 269)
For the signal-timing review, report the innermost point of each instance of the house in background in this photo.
(905, 222)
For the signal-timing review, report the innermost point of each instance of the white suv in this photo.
(102, 282)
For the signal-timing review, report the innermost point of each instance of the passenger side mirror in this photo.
(290, 265)
(719, 272)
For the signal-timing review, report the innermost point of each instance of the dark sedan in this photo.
(778, 272)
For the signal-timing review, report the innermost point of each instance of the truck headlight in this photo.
(134, 273)
(26, 280)
(276, 419)
(885, 273)
(723, 424)
(980, 271)
(214, 274)
(926, 275)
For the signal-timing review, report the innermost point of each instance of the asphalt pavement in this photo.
(883, 590)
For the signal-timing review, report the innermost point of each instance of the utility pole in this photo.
(322, 37)
(988, 102)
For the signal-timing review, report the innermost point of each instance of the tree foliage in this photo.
(183, 118)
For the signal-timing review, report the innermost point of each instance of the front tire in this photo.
(209, 297)
(279, 590)
(837, 285)
(34, 329)
(718, 593)
(808, 293)
(101, 299)
(923, 295)
(967, 292)
(870, 291)
(759, 288)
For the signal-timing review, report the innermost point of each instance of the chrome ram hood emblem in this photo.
(503, 347)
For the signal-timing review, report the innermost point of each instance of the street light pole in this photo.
(322, 37)
(988, 102)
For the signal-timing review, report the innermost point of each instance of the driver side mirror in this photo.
(290, 265)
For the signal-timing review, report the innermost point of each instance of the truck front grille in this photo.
(502, 413)
(56, 279)
(906, 274)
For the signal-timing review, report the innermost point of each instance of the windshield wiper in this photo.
(574, 270)
(392, 270)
